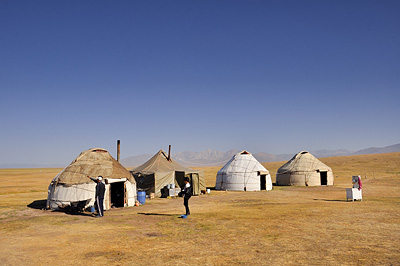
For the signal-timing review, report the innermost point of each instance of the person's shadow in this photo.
(156, 214)
(337, 200)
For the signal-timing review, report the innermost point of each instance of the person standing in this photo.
(187, 193)
(100, 191)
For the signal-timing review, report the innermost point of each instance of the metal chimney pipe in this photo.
(169, 153)
(118, 149)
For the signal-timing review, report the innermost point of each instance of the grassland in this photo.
(285, 226)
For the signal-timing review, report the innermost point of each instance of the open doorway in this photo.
(117, 191)
(263, 181)
(145, 182)
(180, 179)
(324, 178)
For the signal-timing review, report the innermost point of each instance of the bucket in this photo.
(141, 196)
(91, 208)
(183, 216)
(208, 191)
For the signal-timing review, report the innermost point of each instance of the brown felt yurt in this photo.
(72, 184)
(304, 170)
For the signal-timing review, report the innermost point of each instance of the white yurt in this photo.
(243, 173)
(72, 184)
(304, 170)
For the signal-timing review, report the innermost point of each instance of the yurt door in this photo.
(107, 204)
(263, 181)
(180, 178)
(117, 190)
(324, 178)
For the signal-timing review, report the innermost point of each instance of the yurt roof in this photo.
(160, 163)
(93, 162)
(243, 162)
(303, 162)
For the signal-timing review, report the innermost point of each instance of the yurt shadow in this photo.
(37, 204)
(41, 205)
(73, 211)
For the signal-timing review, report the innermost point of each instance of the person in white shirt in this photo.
(187, 191)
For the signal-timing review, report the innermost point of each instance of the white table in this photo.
(353, 194)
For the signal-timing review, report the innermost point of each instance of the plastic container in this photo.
(91, 208)
(208, 191)
(141, 196)
(183, 216)
(172, 186)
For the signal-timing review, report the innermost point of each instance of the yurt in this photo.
(72, 184)
(161, 171)
(304, 170)
(243, 173)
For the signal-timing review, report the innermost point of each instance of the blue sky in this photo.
(265, 76)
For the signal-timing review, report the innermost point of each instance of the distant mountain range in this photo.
(217, 158)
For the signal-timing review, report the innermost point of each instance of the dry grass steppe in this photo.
(285, 226)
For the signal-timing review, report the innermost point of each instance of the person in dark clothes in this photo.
(187, 193)
(100, 190)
